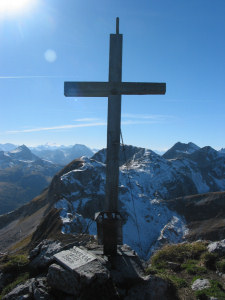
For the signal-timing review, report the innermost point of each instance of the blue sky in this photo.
(48, 42)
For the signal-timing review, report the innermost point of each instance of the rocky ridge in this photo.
(77, 192)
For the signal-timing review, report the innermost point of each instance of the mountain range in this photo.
(23, 174)
(148, 182)
(62, 155)
(57, 154)
(7, 147)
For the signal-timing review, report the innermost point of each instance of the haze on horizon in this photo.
(45, 43)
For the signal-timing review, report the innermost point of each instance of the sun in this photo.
(13, 6)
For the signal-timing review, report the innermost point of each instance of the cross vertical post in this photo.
(114, 120)
(109, 222)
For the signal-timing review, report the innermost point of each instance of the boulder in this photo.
(200, 284)
(21, 291)
(217, 248)
(63, 280)
(76, 270)
(126, 268)
(42, 255)
(151, 288)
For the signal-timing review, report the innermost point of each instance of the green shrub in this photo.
(191, 267)
(178, 282)
(220, 265)
(209, 260)
(175, 282)
(15, 263)
(178, 253)
(151, 270)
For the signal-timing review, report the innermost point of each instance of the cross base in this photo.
(109, 231)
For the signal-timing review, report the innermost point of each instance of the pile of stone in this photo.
(71, 272)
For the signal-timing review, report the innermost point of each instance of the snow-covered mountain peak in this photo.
(62, 154)
(87, 166)
(143, 161)
(209, 151)
(205, 154)
(47, 146)
(180, 149)
(7, 147)
(192, 146)
(22, 153)
(20, 149)
(23, 158)
(84, 194)
(127, 153)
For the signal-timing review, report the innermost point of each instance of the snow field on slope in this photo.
(146, 212)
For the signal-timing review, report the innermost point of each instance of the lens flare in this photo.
(50, 55)
(13, 6)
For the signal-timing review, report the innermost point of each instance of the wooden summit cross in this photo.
(113, 89)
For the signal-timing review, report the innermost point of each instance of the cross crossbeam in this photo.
(105, 89)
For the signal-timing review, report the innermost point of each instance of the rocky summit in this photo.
(78, 270)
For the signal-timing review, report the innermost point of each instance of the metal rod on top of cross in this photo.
(117, 25)
(109, 222)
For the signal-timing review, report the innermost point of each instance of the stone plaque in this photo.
(74, 258)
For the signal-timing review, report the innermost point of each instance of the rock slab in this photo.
(76, 269)
(74, 258)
